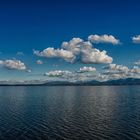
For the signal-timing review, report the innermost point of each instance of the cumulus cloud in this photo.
(95, 56)
(13, 64)
(76, 50)
(39, 62)
(137, 62)
(135, 69)
(110, 72)
(57, 73)
(103, 39)
(56, 53)
(87, 69)
(136, 39)
(75, 76)
(116, 67)
(114, 71)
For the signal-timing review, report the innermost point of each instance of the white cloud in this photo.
(116, 67)
(87, 69)
(95, 56)
(74, 45)
(13, 64)
(57, 73)
(39, 62)
(110, 72)
(66, 75)
(76, 50)
(58, 53)
(136, 39)
(114, 71)
(137, 63)
(103, 39)
(135, 69)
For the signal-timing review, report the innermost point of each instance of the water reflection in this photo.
(98, 112)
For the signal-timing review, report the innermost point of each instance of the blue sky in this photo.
(27, 25)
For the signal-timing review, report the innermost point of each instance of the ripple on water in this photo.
(102, 113)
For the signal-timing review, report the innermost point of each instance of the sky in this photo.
(73, 39)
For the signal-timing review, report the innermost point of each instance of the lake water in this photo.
(70, 113)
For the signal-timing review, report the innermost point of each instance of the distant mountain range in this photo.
(127, 81)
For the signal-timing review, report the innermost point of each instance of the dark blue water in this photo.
(70, 113)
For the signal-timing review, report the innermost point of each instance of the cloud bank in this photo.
(114, 71)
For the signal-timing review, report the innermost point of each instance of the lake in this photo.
(69, 112)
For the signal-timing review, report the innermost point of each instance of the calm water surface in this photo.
(70, 113)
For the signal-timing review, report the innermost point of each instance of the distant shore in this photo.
(119, 82)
